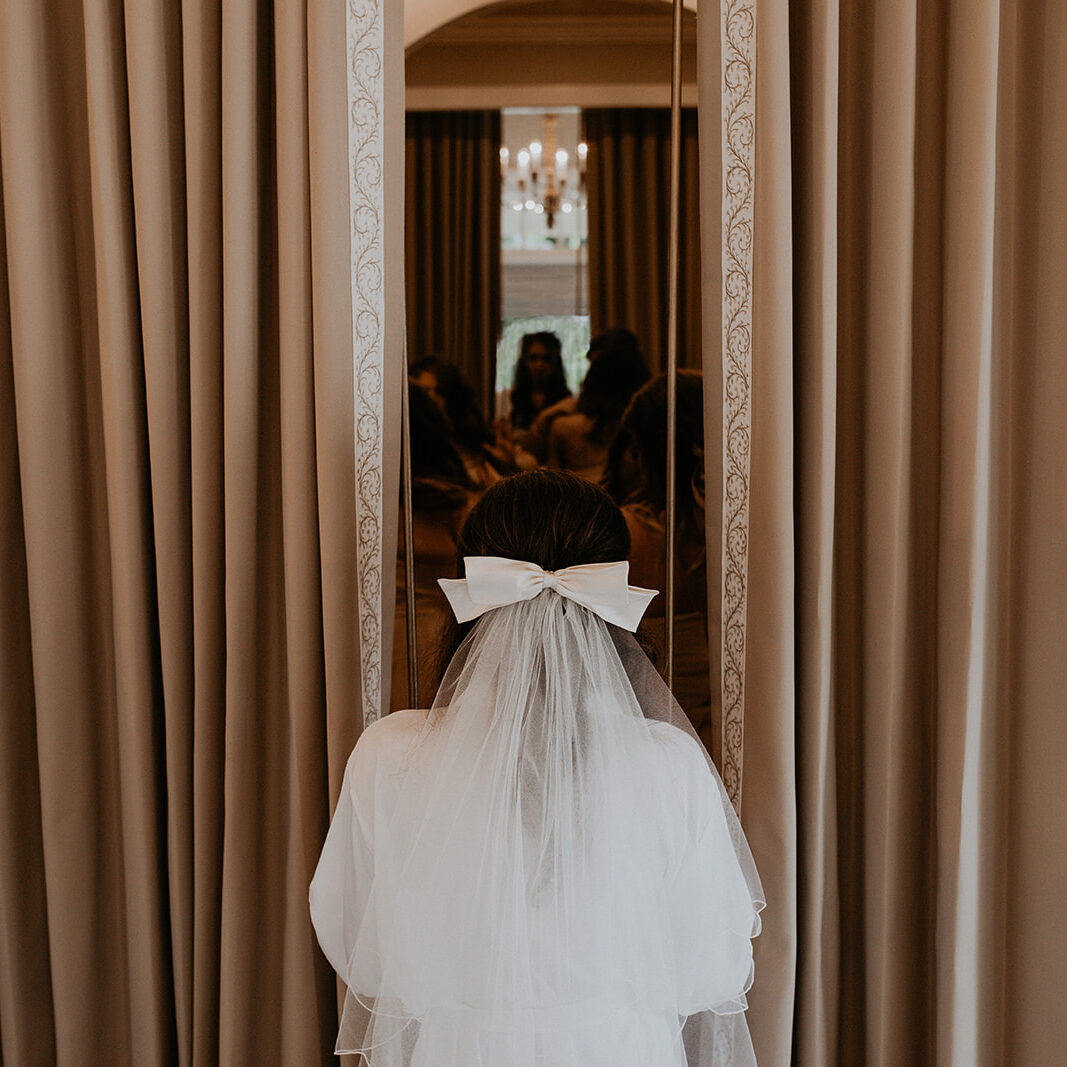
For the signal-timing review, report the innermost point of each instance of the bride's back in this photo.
(542, 868)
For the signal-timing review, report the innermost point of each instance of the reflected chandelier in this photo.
(544, 178)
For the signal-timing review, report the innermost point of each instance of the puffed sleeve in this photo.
(714, 897)
(341, 886)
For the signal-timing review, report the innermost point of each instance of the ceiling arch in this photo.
(423, 17)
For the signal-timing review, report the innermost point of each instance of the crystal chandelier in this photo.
(543, 177)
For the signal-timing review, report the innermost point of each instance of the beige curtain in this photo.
(907, 555)
(628, 189)
(452, 241)
(178, 636)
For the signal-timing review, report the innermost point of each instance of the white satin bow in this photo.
(493, 581)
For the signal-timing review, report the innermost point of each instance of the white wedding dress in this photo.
(538, 874)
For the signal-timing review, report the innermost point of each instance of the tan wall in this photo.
(591, 53)
(423, 17)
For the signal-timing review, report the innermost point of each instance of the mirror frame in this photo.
(375, 54)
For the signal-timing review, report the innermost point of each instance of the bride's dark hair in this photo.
(547, 517)
(550, 518)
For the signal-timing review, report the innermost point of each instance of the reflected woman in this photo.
(449, 389)
(578, 440)
(636, 477)
(442, 495)
(539, 378)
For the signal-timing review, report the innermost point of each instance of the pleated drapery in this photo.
(179, 648)
(178, 636)
(452, 241)
(904, 732)
(627, 188)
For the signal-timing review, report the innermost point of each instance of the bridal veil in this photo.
(542, 869)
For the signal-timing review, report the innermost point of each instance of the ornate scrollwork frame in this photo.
(366, 109)
(738, 36)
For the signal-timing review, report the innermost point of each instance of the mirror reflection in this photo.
(537, 210)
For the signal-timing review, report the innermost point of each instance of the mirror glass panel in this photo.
(538, 166)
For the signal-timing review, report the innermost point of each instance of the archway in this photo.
(423, 17)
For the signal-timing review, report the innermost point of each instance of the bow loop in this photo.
(493, 582)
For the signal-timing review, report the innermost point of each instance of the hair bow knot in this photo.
(493, 582)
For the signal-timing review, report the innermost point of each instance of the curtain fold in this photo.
(452, 241)
(25, 978)
(628, 195)
(907, 551)
(178, 637)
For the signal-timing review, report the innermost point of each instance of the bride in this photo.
(543, 868)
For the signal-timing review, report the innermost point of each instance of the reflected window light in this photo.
(583, 150)
(517, 206)
(535, 149)
(531, 206)
(524, 158)
(504, 155)
(561, 157)
(539, 209)
(568, 207)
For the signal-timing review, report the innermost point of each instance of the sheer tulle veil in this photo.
(550, 872)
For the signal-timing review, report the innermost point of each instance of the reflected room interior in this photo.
(538, 156)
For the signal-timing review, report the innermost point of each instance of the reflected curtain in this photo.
(628, 196)
(177, 628)
(452, 241)
(907, 547)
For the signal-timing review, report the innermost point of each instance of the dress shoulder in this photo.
(699, 792)
(390, 727)
(382, 747)
(681, 748)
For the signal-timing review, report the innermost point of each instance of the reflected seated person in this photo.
(636, 478)
(442, 495)
(539, 382)
(485, 456)
(578, 440)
